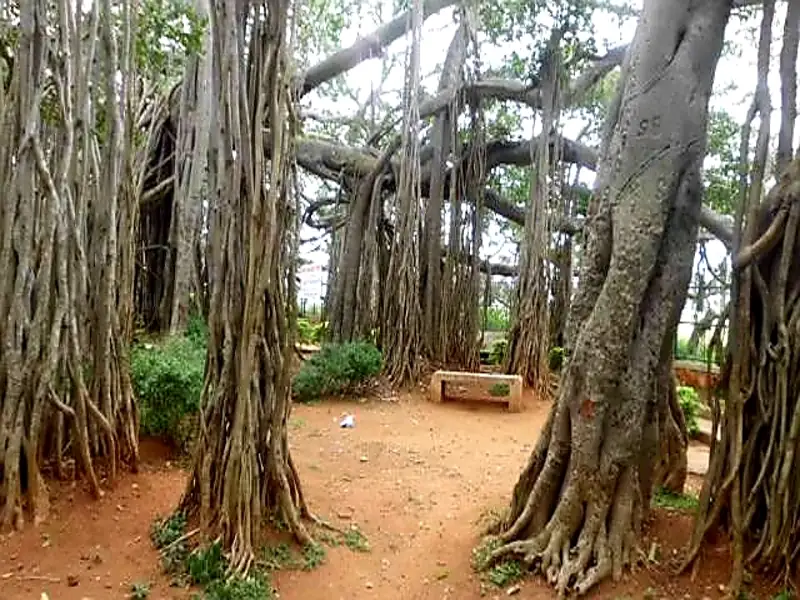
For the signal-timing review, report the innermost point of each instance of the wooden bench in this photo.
(491, 387)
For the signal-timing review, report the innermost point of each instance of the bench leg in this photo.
(515, 398)
(437, 388)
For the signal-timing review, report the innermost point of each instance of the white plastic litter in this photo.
(349, 421)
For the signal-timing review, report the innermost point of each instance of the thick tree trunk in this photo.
(65, 252)
(578, 505)
(528, 340)
(191, 161)
(401, 334)
(243, 471)
(441, 138)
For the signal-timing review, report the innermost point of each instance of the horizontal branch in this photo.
(332, 161)
(717, 225)
(524, 93)
(369, 46)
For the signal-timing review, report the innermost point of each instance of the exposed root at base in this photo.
(606, 539)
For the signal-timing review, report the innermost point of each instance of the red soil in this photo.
(416, 478)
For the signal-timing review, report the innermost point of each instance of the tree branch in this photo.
(370, 46)
(332, 161)
(720, 226)
(517, 91)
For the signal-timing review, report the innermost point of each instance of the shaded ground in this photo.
(416, 478)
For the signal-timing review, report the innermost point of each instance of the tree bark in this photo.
(191, 162)
(529, 338)
(243, 471)
(400, 327)
(579, 503)
(441, 137)
(65, 251)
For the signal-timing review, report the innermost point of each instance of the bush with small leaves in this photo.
(691, 406)
(309, 332)
(206, 564)
(254, 587)
(168, 380)
(556, 358)
(166, 534)
(337, 369)
(498, 352)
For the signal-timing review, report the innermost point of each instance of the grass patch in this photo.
(481, 553)
(506, 573)
(204, 566)
(165, 533)
(501, 574)
(355, 540)
(671, 501)
(253, 587)
(280, 557)
(313, 556)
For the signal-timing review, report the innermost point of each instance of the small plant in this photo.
(279, 557)
(556, 357)
(482, 552)
(682, 502)
(206, 565)
(313, 556)
(140, 591)
(785, 595)
(498, 352)
(499, 390)
(166, 533)
(167, 530)
(505, 573)
(355, 540)
(309, 332)
(337, 369)
(690, 405)
(253, 587)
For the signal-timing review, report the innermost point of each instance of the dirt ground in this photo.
(415, 477)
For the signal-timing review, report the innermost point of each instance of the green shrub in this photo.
(254, 587)
(206, 565)
(197, 331)
(168, 380)
(309, 332)
(497, 319)
(497, 354)
(506, 573)
(556, 358)
(691, 406)
(337, 369)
